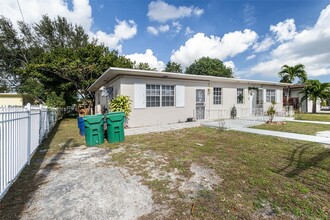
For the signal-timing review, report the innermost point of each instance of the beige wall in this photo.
(11, 99)
(164, 115)
(101, 101)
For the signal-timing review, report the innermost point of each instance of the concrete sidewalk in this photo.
(312, 122)
(243, 126)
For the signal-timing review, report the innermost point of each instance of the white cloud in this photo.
(263, 45)
(34, 9)
(155, 30)
(123, 31)
(230, 64)
(164, 28)
(80, 14)
(200, 45)
(310, 47)
(152, 30)
(249, 15)
(162, 12)
(147, 57)
(177, 26)
(188, 31)
(285, 30)
(252, 56)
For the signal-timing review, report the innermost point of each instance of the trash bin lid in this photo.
(93, 119)
(115, 116)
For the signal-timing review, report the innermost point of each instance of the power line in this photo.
(19, 6)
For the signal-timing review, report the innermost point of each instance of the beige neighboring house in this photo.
(294, 99)
(13, 99)
(163, 97)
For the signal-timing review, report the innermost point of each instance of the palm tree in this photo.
(315, 90)
(289, 73)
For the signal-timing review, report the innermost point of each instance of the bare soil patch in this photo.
(85, 186)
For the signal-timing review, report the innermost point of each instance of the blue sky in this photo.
(255, 38)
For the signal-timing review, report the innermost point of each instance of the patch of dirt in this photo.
(203, 179)
(266, 211)
(276, 123)
(85, 186)
(173, 184)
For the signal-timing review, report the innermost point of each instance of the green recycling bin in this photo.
(94, 130)
(115, 124)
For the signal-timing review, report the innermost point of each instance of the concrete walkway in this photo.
(243, 125)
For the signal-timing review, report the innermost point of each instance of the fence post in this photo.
(28, 108)
(40, 123)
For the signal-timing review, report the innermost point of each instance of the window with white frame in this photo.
(158, 95)
(270, 95)
(153, 95)
(216, 95)
(167, 95)
(240, 96)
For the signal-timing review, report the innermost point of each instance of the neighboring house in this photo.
(15, 99)
(294, 99)
(12, 99)
(162, 97)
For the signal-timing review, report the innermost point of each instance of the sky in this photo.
(254, 38)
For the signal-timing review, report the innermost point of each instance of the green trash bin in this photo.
(115, 124)
(94, 130)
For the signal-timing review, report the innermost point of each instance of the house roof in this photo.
(10, 95)
(113, 72)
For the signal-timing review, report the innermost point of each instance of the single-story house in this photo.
(163, 97)
(292, 96)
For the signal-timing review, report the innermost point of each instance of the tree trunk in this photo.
(314, 106)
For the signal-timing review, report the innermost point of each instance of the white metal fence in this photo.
(256, 114)
(22, 129)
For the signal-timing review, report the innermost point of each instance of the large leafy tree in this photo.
(143, 66)
(289, 74)
(54, 59)
(173, 67)
(315, 90)
(209, 66)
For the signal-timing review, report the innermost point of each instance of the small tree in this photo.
(121, 104)
(271, 112)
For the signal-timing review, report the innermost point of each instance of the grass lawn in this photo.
(259, 176)
(313, 117)
(295, 127)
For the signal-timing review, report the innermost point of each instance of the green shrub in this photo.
(121, 104)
